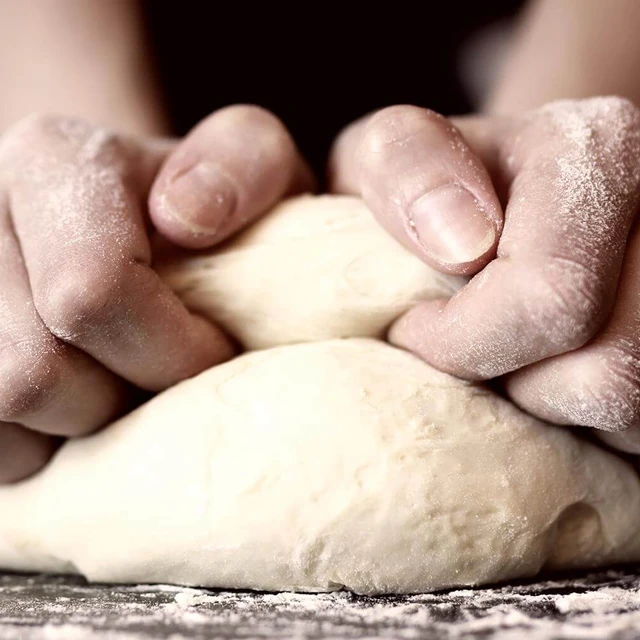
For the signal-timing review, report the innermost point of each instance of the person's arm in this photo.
(83, 58)
(571, 49)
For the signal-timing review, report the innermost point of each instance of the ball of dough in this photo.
(319, 466)
(324, 464)
(315, 268)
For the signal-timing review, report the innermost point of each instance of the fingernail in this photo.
(200, 199)
(451, 225)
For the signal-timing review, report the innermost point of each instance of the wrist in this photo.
(90, 61)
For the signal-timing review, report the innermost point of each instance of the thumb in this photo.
(235, 165)
(424, 184)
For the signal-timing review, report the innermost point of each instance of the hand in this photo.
(554, 302)
(83, 314)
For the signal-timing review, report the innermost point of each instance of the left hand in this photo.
(84, 315)
(553, 304)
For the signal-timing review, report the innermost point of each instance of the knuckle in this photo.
(81, 304)
(592, 115)
(608, 126)
(566, 306)
(609, 390)
(251, 128)
(35, 125)
(253, 114)
(31, 375)
(391, 128)
(29, 132)
(599, 131)
(395, 127)
(273, 134)
(615, 112)
(57, 137)
(254, 118)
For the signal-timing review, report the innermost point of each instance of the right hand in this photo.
(542, 209)
(84, 317)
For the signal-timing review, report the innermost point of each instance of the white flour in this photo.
(597, 606)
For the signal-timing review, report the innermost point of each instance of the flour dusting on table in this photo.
(604, 604)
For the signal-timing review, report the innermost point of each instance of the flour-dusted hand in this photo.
(553, 303)
(84, 316)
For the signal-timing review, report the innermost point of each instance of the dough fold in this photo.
(315, 268)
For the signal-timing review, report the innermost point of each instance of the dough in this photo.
(316, 268)
(316, 466)
(328, 464)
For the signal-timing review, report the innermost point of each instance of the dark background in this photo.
(317, 67)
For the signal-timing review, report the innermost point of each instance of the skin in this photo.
(552, 304)
(91, 61)
(551, 307)
(86, 319)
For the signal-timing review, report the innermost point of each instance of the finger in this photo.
(343, 165)
(231, 168)
(573, 196)
(77, 208)
(424, 184)
(599, 385)
(627, 441)
(22, 452)
(46, 384)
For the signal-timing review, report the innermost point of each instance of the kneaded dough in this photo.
(322, 465)
(315, 268)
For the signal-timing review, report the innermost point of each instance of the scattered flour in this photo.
(605, 604)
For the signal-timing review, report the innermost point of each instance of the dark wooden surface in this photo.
(599, 605)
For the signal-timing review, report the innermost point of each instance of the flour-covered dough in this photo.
(326, 464)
